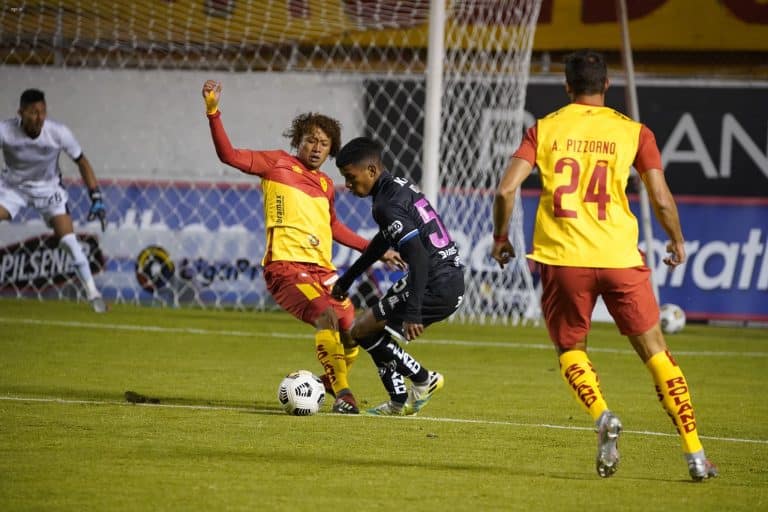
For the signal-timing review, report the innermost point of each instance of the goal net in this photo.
(182, 227)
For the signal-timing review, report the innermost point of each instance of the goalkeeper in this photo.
(31, 144)
(431, 291)
(585, 243)
(301, 225)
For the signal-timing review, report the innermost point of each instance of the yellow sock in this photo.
(581, 377)
(330, 353)
(672, 390)
(350, 355)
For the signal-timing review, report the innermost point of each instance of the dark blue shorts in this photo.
(442, 298)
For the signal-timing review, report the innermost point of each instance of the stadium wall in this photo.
(151, 124)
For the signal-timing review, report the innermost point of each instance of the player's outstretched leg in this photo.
(330, 353)
(608, 430)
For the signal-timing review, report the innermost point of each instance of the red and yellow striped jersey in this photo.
(584, 154)
(299, 214)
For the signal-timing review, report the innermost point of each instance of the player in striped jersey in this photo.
(31, 145)
(585, 244)
(301, 225)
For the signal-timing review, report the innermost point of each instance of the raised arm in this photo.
(238, 158)
(246, 160)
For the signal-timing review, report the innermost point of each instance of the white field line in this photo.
(63, 401)
(264, 334)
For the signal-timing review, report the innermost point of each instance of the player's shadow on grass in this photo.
(257, 407)
(622, 475)
(60, 393)
(136, 397)
(276, 456)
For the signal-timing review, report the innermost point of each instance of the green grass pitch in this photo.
(504, 433)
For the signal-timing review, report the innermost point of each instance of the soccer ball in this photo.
(301, 393)
(672, 318)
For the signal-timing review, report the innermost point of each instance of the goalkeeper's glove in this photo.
(97, 208)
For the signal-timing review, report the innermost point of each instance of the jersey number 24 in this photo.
(596, 188)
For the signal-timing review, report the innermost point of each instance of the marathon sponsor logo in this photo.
(39, 262)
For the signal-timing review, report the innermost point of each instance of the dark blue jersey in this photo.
(402, 212)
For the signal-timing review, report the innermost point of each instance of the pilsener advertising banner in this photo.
(198, 243)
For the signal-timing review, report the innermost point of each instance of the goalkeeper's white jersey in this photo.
(35, 161)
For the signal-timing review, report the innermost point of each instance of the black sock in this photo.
(393, 364)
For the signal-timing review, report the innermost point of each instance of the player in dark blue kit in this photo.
(431, 291)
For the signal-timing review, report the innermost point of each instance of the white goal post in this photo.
(183, 228)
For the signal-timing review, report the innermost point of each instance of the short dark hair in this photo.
(305, 123)
(585, 72)
(31, 96)
(357, 150)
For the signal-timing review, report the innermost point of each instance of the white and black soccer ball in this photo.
(672, 318)
(301, 393)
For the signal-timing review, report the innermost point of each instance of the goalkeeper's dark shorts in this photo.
(442, 298)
